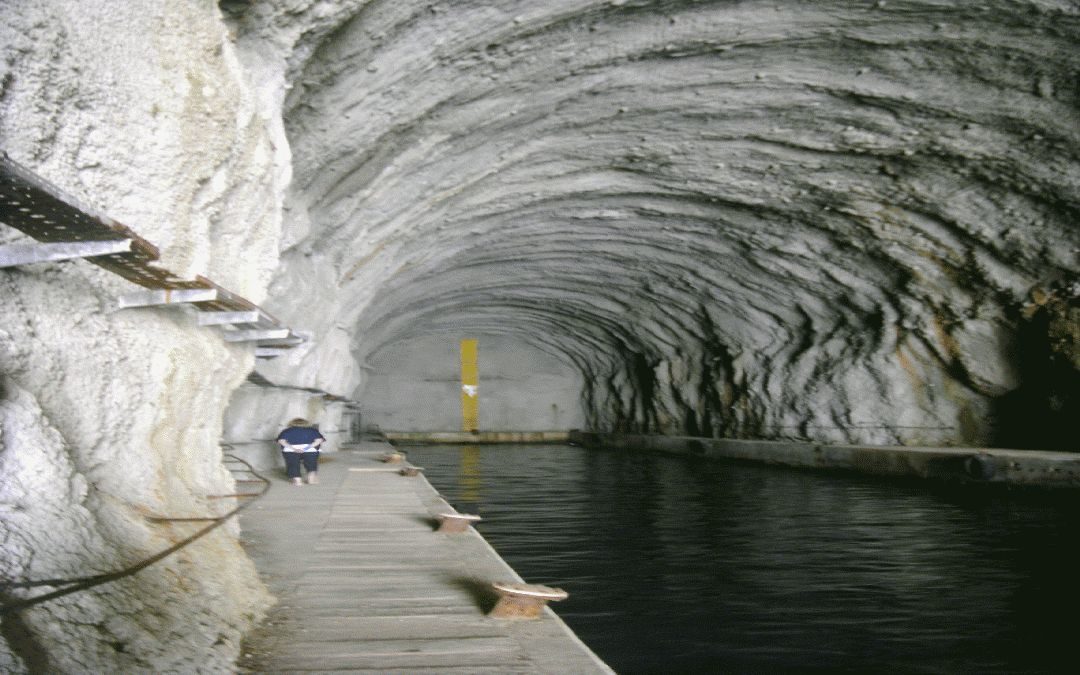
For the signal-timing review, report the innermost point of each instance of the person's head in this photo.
(299, 422)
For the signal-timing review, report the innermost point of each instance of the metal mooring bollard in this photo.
(393, 458)
(411, 471)
(456, 522)
(523, 601)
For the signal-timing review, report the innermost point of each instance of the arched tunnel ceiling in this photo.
(651, 177)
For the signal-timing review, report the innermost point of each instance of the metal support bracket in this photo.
(291, 340)
(13, 255)
(174, 296)
(255, 335)
(224, 318)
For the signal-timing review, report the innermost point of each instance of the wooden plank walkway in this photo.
(366, 584)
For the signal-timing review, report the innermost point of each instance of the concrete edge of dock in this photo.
(436, 504)
(477, 437)
(1035, 468)
(358, 508)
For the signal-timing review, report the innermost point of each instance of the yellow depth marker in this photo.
(470, 380)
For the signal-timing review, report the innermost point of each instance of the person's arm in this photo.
(286, 445)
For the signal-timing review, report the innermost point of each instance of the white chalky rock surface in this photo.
(109, 416)
(843, 221)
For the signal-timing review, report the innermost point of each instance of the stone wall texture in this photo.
(844, 222)
(146, 111)
(849, 222)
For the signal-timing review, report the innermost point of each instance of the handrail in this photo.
(83, 583)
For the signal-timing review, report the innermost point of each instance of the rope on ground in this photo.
(83, 583)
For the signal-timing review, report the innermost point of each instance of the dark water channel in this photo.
(681, 566)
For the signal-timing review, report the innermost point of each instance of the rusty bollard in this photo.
(456, 522)
(411, 471)
(393, 458)
(523, 601)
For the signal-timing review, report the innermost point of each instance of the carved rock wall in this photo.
(110, 418)
(837, 221)
(847, 222)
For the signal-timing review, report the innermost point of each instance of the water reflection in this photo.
(678, 565)
(469, 480)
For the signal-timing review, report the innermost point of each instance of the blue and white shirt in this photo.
(300, 439)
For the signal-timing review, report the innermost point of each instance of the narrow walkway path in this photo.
(366, 584)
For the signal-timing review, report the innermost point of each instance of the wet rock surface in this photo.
(835, 221)
(822, 220)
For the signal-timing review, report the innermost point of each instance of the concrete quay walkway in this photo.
(991, 466)
(366, 584)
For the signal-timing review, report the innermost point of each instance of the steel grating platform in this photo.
(46, 213)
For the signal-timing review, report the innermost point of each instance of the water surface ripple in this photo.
(677, 565)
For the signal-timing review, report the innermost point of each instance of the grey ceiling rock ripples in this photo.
(844, 221)
(830, 219)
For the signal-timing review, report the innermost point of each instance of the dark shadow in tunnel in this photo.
(433, 523)
(481, 591)
(20, 636)
(1042, 412)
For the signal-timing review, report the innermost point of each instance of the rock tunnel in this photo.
(845, 222)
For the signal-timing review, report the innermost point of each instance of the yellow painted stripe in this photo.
(469, 478)
(470, 381)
